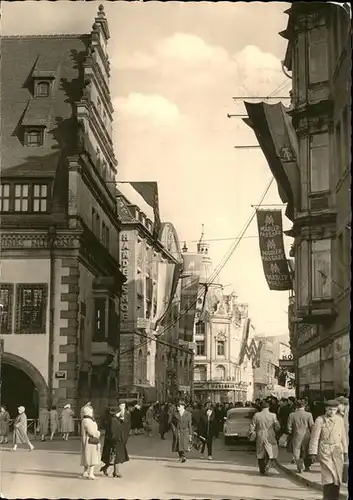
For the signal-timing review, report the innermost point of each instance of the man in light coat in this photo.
(328, 443)
(265, 426)
(299, 427)
(182, 431)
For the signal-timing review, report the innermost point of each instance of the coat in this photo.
(67, 421)
(328, 441)
(149, 418)
(90, 453)
(120, 429)
(54, 421)
(44, 421)
(163, 420)
(299, 426)
(207, 427)
(4, 423)
(20, 430)
(265, 425)
(182, 430)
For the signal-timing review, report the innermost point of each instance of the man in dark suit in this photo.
(182, 431)
(207, 430)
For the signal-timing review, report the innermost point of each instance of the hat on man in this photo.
(300, 403)
(332, 403)
(343, 400)
(181, 403)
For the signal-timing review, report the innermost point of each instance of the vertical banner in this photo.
(168, 278)
(188, 297)
(274, 261)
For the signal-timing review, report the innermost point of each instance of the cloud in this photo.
(154, 107)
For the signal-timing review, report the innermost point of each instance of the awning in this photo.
(278, 140)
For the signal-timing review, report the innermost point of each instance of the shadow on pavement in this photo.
(237, 483)
(199, 496)
(248, 472)
(47, 473)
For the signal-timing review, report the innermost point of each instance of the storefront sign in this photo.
(274, 260)
(125, 269)
(35, 241)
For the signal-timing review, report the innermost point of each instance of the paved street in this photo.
(52, 471)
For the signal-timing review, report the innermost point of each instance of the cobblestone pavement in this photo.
(53, 470)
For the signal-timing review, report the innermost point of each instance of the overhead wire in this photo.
(200, 294)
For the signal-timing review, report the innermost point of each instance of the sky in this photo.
(174, 70)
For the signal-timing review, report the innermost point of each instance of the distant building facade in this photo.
(220, 375)
(149, 370)
(60, 277)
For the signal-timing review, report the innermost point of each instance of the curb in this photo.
(304, 481)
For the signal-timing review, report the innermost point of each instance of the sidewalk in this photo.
(311, 479)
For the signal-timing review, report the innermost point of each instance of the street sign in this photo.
(60, 375)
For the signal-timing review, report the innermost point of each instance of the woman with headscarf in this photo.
(4, 424)
(67, 422)
(20, 430)
(120, 427)
(43, 422)
(90, 443)
(54, 421)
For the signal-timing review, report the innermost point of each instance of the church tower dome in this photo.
(203, 248)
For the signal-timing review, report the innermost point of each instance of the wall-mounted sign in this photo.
(125, 267)
(35, 241)
(61, 375)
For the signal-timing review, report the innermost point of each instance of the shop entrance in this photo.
(18, 389)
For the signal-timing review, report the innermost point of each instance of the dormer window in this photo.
(34, 136)
(42, 89)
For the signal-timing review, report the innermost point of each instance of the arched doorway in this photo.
(22, 384)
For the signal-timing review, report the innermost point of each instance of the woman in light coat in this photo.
(54, 421)
(20, 430)
(43, 422)
(328, 443)
(90, 446)
(149, 419)
(4, 424)
(67, 422)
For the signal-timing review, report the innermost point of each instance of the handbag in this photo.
(283, 441)
(93, 440)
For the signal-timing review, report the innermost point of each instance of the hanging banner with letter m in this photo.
(274, 261)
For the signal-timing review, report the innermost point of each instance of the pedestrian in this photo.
(43, 422)
(182, 431)
(4, 425)
(82, 411)
(120, 428)
(67, 422)
(108, 452)
(329, 444)
(263, 428)
(149, 419)
(90, 443)
(20, 430)
(163, 421)
(54, 422)
(196, 416)
(207, 429)
(343, 410)
(299, 426)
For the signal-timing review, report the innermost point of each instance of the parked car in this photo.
(237, 423)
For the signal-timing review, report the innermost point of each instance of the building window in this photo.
(200, 348)
(321, 269)
(6, 296)
(318, 60)
(99, 334)
(220, 372)
(200, 373)
(42, 89)
(40, 196)
(221, 348)
(4, 197)
(31, 304)
(200, 328)
(319, 163)
(21, 198)
(34, 137)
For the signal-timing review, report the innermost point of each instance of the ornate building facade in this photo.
(150, 370)
(60, 277)
(223, 365)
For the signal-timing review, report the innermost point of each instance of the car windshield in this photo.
(236, 415)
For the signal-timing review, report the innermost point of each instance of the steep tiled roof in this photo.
(20, 57)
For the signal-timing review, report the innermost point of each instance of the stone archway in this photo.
(31, 371)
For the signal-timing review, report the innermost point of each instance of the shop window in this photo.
(31, 304)
(6, 301)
